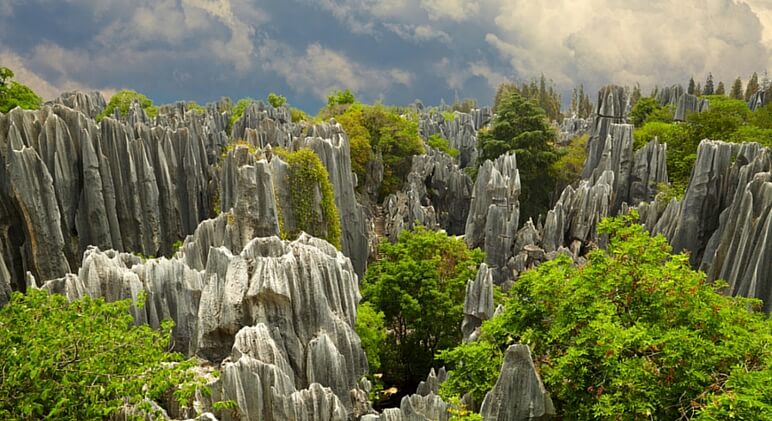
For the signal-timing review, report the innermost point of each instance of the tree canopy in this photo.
(14, 94)
(521, 126)
(419, 286)
(635, 333)
(82, 359)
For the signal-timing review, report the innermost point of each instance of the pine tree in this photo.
(721, 90)
(708, 85)
(752, 87)
(698, 89)
(690, 90)
(574, 102)
(737, 89)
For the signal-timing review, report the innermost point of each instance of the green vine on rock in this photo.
(308, 178)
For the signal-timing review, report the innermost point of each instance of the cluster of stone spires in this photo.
(77, 197)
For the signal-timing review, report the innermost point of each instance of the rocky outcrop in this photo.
(432, 383)
(436, 195)
(331, 144)
(611, 108)
(461, 131)
(519, 393)
(669, 95)
(571, 128)
(494, 212)
(722, 219)
(262, 125)
(688, 104)
(478, 303)
(89, 103)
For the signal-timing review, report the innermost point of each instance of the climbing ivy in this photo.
(307, 176)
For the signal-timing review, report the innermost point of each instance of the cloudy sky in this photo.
(394, 50)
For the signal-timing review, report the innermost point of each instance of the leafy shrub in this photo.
(276, 100)
(441, 144)
(122, 100)
(372, 331)
(569, 167)
(345, 97)
(419, 285)
(238, 110)
(80, 360)
(634, 333)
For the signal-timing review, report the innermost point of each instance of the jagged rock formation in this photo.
(478, 303)
(261, 126)
(723, 219)
(89, 103)
(611, 108)
(669, 95)
(436, 195)
(688, 104)
(331, 144)
(571, 128)
(432, 383)
(494, 212)
(461, 132)
(519, 393)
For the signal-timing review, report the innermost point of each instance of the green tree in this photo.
(636, 95)
(721, 90)
(522, 127)
(737, 89)
(81, 359)
(238, 110)
(276, 100)
(14, 94)
(752, 86)
(690, 90)
(419, 285)
(122, 101)
(708, 90)
(345, 97)
(645, 110)
(635, 333)
(372, 332)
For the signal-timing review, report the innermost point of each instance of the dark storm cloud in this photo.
(398, 50)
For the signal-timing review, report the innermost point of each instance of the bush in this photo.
(634, 333)
(681, 148)
(569, 167)
(345, 97)
(14, 94)
(372, 332)
(276, 100)
(238, 110)
(441, 144)
(122, 100)
(419, 285)
(80, 360)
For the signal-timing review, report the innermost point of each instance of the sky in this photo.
(390, 50)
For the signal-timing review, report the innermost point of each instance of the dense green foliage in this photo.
(14, 94)
(441, 144)
(80, 360)
(122, 100)
(634, 333)
(308, 179)
(647, 109)
(276, 100)
(345, 97)
(569, 167)
(522, 127)
(374, 130)
(419, 285)
(372, 332)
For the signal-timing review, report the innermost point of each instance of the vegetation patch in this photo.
(122, 101)
(635, 333)
(307, 176)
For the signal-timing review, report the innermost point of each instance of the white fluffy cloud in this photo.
(45, 88)
(320, 70)
(633, 41)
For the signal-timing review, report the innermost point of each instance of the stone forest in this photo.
(610, 259)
